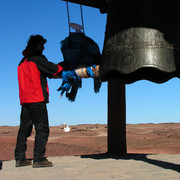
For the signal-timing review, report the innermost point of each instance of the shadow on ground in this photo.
(136, 157)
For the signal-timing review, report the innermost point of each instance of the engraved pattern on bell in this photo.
(136, 48)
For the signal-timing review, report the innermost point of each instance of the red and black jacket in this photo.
(32, 77)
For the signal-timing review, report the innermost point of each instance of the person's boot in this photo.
(44, 163)
(20, 163)
(1, 165)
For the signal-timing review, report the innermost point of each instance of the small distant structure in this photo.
(67, 129)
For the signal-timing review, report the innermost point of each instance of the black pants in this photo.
(33, 114)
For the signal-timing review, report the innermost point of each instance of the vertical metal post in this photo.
(116, 117)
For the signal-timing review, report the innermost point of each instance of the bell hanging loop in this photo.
(78, 28)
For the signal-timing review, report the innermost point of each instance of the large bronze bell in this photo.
(142, 40)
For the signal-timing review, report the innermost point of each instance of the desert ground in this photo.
(87, 139)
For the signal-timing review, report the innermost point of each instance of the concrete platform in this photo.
(102, 166)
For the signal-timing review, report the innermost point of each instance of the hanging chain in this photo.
(69, 16)
(82, 18)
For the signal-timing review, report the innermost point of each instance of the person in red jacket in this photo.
(33, 71)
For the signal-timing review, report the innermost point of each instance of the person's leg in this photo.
(24, 132)
(40, 120)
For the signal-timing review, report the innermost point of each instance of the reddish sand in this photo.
(92, 139)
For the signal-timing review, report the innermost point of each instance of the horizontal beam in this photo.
(101, 4)
(82, 72)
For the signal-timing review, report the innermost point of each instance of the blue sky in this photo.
(146, 102)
